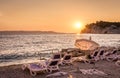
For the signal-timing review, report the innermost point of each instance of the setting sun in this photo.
(78, 25)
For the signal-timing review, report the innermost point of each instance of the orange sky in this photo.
(55, 15)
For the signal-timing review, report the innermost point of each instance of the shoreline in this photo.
(86, 52)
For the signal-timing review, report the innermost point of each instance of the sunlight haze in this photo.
(55, 15)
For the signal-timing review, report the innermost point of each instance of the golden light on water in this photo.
(78, 34)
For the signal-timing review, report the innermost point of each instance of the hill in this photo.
(102, 27)
(27, 32)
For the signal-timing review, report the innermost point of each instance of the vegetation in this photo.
(102, 27)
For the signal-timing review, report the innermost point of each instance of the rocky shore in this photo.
(102, 27)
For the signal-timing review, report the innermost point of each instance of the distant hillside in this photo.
(28, 32)
(102, 27)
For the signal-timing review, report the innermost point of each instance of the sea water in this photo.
(21, 48)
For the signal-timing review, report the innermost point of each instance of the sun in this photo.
(78, 25)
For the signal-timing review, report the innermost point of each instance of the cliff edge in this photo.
(102, 27)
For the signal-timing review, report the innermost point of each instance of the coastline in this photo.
(15, 71)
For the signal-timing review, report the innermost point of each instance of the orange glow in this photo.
(78, 25)
(55, 15)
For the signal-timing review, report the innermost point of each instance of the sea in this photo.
(28, 48)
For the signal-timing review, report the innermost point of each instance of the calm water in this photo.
(18, 49)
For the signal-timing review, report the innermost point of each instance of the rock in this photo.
(102, 27)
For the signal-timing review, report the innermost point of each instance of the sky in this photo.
(55, 15)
